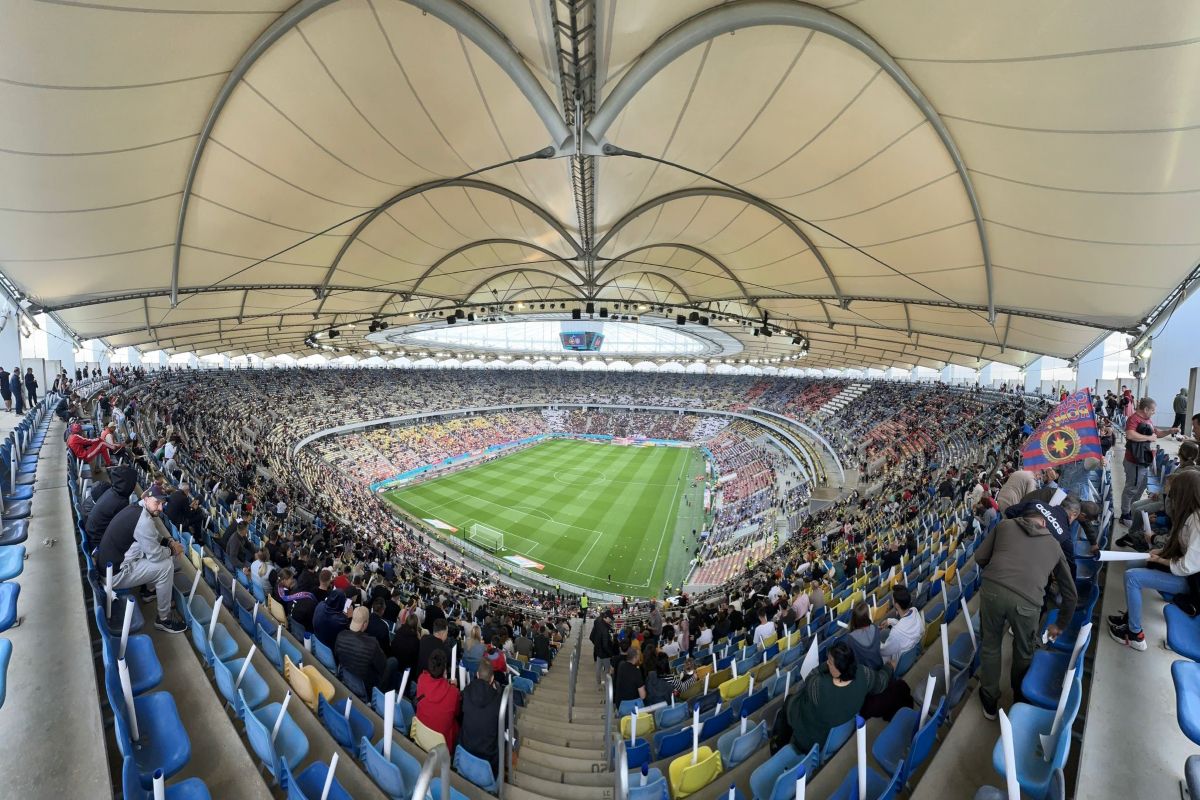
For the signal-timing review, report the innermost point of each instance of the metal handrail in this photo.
(608, 718)
(575, 656)
(621, 773)
(438, 757)
(503, 732)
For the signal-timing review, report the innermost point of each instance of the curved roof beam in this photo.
(735, 16)
(455, 14)
(466, 183)
(485, 242)
(514, 271)
(666, 278)
(687, 247)
(714, 191)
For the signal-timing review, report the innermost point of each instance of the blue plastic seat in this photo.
(324, 655)
(753, 703)
(404, 710)
(253, 690)
(270, 651)
(12, 561)
(1183, 632)
(1042, 684)
(6, 649)
(344, 731)
(1034, 772)
(145, 670)
(474, 769)
(672, 743)
(221, 647)
(735, 746)
(627, 707)
(963, 653)
(1186, 675)
(18, 510)
(715, 724)
(907, 659)
(837, 737)
(637, 753)
(671, 716)
(163, 742)
(354, 684)
(396, 777)
(14, 532)
(915, 751)
(8, 604)
(20, 493)
(891, 745)
(879, 787)
(655, 787)
(775, 778)
(290, 746)
(791, 656)
(309, 784)
(131, 789)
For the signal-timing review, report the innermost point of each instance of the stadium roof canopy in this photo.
(904, 183)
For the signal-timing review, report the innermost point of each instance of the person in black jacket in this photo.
(406, 645)
(359, 653)
(439, 631)
(602, 638)
(481, 716)
(31, 386)
(122, 481)
(541, 643)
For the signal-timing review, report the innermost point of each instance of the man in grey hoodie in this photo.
(1018, 560)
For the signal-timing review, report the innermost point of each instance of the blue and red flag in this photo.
(1067, 435)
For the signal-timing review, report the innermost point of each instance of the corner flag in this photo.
(1066, 436)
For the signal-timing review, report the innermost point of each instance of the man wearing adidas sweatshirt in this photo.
(1018, 560)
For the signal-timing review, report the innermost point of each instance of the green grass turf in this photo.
(585, 511)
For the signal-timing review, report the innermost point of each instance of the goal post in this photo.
(485, 536)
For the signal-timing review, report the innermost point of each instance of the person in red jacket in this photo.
(439, 705)
(85, 449)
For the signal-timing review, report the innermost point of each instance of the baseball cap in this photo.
(156, 491)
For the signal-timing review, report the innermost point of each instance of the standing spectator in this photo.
(14, 385)
(1169, 568)
(1018, 560)
(481, 716)
(1140, 436)
(1179, 406)
(433, 642)
(142, 557)
(31, 387)
(438, 701)
(629, 684)
(655, 620)
(5, 389)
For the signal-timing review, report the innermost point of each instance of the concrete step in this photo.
(573, 738)
(589, 752)
(560, 763)
(546, 719)
(561, 791)
(559, 776)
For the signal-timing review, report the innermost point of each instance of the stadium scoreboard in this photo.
(582, 341)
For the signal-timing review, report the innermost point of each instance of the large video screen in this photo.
(584, 341)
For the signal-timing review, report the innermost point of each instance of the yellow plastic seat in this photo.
(275, 608)
(770, 640)
(702, 670)
(880, 612)
(424, 736)
(932, 631)
(645, 725)
(687, 778)
(307, 682)
(733, 687)
(719, 677)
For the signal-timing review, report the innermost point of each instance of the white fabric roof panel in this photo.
(1077, 135)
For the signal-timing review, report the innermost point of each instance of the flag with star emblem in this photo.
(1067, 435)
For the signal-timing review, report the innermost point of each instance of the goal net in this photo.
(485, 536)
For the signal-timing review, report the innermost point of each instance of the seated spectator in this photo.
(495, 656)
(406, 645)
(141, 556)
(438, 701)
(123, 480)
(474, 648)
(765, 629)
(433, 642)
(237, 544)
(331, 618)
(660, 681)
(359, 653)
(831, 695)
(1168, 569)
(864, 638)
(906, 630)
(262, 570)
(687, 675)
(376, 627)
(628, 684)
(541, 643)
(481, 715)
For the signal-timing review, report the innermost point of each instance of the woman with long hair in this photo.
(1168, 569)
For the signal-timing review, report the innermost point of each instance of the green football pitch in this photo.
(582, 511)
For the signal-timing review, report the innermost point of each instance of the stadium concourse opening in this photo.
(599, 400)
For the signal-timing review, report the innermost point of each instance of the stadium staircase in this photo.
(562, 758)
(842, 399)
